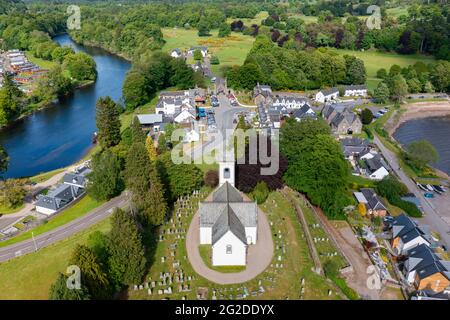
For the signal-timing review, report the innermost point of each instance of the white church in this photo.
(228, 222)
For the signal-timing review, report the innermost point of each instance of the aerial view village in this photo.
(225, 150)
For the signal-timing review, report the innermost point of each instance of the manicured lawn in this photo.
(30, 276)
(231, 50)
(205, 253)
(77, 210)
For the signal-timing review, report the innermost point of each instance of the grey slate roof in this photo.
(327, 92)
(303, 112)
(373, 201)
(355, 87)
(228, 221)
(76, 179)
(402, 224)
(227, 193)
(59, 197)
(374, 164)
(227, 197)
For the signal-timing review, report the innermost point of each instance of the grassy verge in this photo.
(30, 276)
(7, 210)
(205, 253)
(77, 210)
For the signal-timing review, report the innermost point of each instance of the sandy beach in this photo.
(418, 110)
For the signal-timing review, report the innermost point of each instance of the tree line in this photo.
(287, 68)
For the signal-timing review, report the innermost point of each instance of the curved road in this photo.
(64, 231)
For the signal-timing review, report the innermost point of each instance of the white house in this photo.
(192, 136)
(289, 102)
(203, 50)
(376, 167)
(176, 53)
(228, 222)
(185, 115)
(327, 95)
(58, 198)
(355, 91)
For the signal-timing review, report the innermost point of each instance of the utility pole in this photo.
(34, 240)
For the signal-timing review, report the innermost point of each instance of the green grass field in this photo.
(77, 210)
(397, 11)
(231, 50)
(248, 22)
(375, 60)
(30, 276)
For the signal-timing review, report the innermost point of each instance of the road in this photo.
(432, 217)
(8, 220)
(64, 231)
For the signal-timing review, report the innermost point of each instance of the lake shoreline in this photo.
(420, 110)
(417, 111)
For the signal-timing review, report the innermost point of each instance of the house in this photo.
(262, 94)
(152, 122)
(327, 95)
(77, 179)
(268, 118)
(374, 205)
(426, 270)
(228, 222)
(203, 50)
(355, 147)
(376, 167)
(176, 53)
(184, 115)
(355, 91)
(58, 198)
(192, 136)
(342, 120)
(406, 234)
(289, 102)
(305, 112)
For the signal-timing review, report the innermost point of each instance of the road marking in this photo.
(18, 253)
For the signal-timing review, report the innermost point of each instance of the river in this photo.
(61, 134)
(436, 130)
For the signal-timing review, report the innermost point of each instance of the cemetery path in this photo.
(259, 255)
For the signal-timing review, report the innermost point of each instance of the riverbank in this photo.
(95, 45)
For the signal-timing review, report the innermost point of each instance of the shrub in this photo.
(211, 178)
(261, 192)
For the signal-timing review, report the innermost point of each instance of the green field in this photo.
(77, 210)
(30, 276)
(375, 60)
(231, 50)
(396, 12)
(248, 22)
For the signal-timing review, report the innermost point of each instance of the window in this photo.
(226, 173)
(229, 249)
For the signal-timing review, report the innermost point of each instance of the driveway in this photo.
(259, 255)
(432, 216)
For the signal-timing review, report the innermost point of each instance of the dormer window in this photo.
(229, 249)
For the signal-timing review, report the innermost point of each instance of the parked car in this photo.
(429, 195)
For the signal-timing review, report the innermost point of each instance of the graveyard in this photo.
(289, 276)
